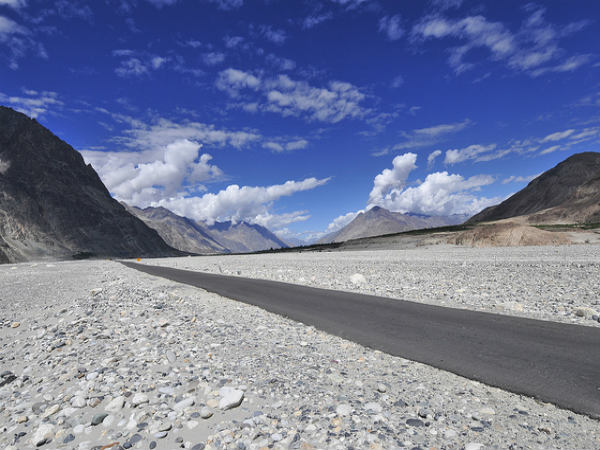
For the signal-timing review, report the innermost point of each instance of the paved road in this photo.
(554, 362)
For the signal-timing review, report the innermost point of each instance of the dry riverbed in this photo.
(93, 354)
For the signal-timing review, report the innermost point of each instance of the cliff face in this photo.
(54, 205)
(567, 193)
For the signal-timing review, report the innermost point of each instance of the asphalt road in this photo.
(554, 362)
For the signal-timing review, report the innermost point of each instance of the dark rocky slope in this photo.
(54, 205)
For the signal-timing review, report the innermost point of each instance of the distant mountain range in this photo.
(198, 237)
(378, 221)
(54, 205)
(566, 194)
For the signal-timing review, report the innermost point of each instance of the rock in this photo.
(43, 434)
(343, 410)
(381, 388)
(78, 401)
(206, 413)
(358, 279)
(171, 356)
(230, 398)
(373, 407)
(185, 403)
(68, 438)
(15, 325)
(139, 398)
(276, 437)
(152, 445)
(198, 447)
(116, 404)
(96, 291)
(50, 411)
(22, 419)
(98, 419)
(415, 423)
(160, 434)
(473, 446)
(212, 403)
(487, 411)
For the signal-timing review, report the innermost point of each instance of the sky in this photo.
(299, 114)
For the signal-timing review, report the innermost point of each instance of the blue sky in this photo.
(299, 114)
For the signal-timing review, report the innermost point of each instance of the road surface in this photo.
(554, 362)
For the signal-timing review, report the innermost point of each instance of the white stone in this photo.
(116, 404)
(343, 410)
(473, 446)
(43, 433)
(358, 279)
(185, 403)
(373, 407)
(230, 398)
(78, 401)
(139, 398)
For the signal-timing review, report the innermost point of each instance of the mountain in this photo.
(243, 237)
(54, 205)
(177, 231)
(377, 221)
(567, 193)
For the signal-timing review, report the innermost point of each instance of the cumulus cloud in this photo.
(315, 19)
(533, 49)
(391, 26)
(235, 203)
(440, 194)
(471, 152)
(275, 35)
(289, 97)
(393, 179)
(137, 64)
(227, 5)
(142, 178)
(33, 103)
(341, 221)
(4, 166)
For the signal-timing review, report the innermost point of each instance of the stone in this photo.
(198, 447)
(78, 401)
(22, 419)
(152, 445)
(343, 410)
(373, 407)
(415, 423)
(43, 434)
(381, 388)
(183, 404)
(206, 413)
(139, 399)
(473, 446)
(116, 404)
(230, 398)
(160, 434)
(51, 410)
(98, 419)
(212, 403)
(15, 325)
(171, 357)
(358, 279)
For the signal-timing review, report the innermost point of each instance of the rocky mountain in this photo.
(177, 231)
(54, 205)
(198, 237)
(567, 193)
(244, 237)
(378, 221)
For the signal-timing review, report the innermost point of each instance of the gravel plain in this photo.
(558, 283)
(94, 356)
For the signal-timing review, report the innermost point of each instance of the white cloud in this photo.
(397, 81)
(233, 80)
(392, 27)
(520, 179)
(440, 194)
(288, 97)
(275, 35)
(533, 48)
(232, 41)
(341, 221)
(551, 149)
(213, 58)
(314, 20)
(278, 222)
(392, 179)
(446, 128)
(16, 4)
(137, 64)
(34, 103)
(237, 203)
(286, 146)
(131, 67)
(18, 42)
(432, 157)
(350, 4)
(142, 178)
(558, 136)
(467, 153)
(227, 5)
(158, 62)
(161, 3)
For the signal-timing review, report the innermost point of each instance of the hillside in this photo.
(53, 205)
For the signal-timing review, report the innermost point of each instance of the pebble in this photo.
(343, 410)
(139, 399)
(474, 446)
(171, 357)
(43, 434)
(183, 404)
(116, 404)
(78, 401)
(206, 413)
(15, 325)
(98, 418)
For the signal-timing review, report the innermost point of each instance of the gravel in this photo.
(289, 386)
